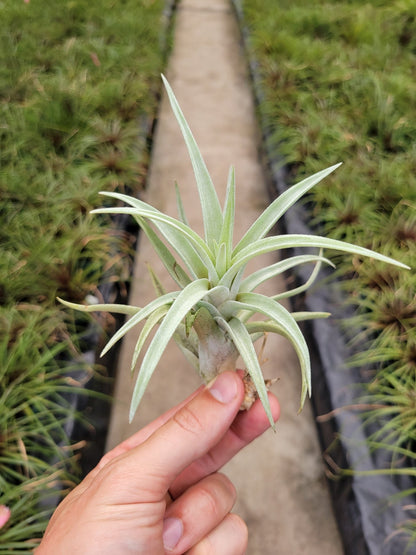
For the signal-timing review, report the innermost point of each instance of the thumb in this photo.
(191, 432)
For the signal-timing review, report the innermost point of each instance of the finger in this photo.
(133, 441)
(198, 511)
(192, 431)
(228, 538)
(247, 426)
(139, 437)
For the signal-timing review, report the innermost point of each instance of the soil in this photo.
(283, 494)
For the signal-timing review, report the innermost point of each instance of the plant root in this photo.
(251, 394)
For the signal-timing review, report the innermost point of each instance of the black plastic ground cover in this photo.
(91, 409)
(366, 515)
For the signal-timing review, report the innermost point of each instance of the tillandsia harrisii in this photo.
(212, 314)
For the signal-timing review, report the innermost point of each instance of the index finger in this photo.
(146, 472)
(144, 433)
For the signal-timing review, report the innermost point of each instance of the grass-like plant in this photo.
(37, 461)
(335, 85)
(211, 313)
(55, 155)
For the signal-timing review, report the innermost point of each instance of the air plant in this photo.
(212, 315)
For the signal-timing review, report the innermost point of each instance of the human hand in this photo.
(159, 491)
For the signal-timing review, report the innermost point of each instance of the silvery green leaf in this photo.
(186, 299)
(211, 209)
(236, 283)
(218, 295)
(157, 284)
(221, 260)
(179, 204)
(276, 312)
(242, 340)
(139, 317)
(262, 275)
(117, 308)
(213, 310)
(255, 336)
(175, 270)
(302, 316)
(264, 326)
(227, 230)
(187, 336)
(188, 353)
(279, 206)
(152, 320)
(269, 326)
(270, 244)
(308, 283)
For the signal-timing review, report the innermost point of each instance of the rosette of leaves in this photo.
(212, 314)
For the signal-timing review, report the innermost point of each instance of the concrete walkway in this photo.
(280, 478)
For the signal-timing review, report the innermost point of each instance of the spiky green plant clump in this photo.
(210, 315)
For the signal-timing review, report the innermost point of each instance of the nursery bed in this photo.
(78, 113)
(369, 517)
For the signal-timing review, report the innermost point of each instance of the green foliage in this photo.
(37, 463)
(76, 81)
(337, 85)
